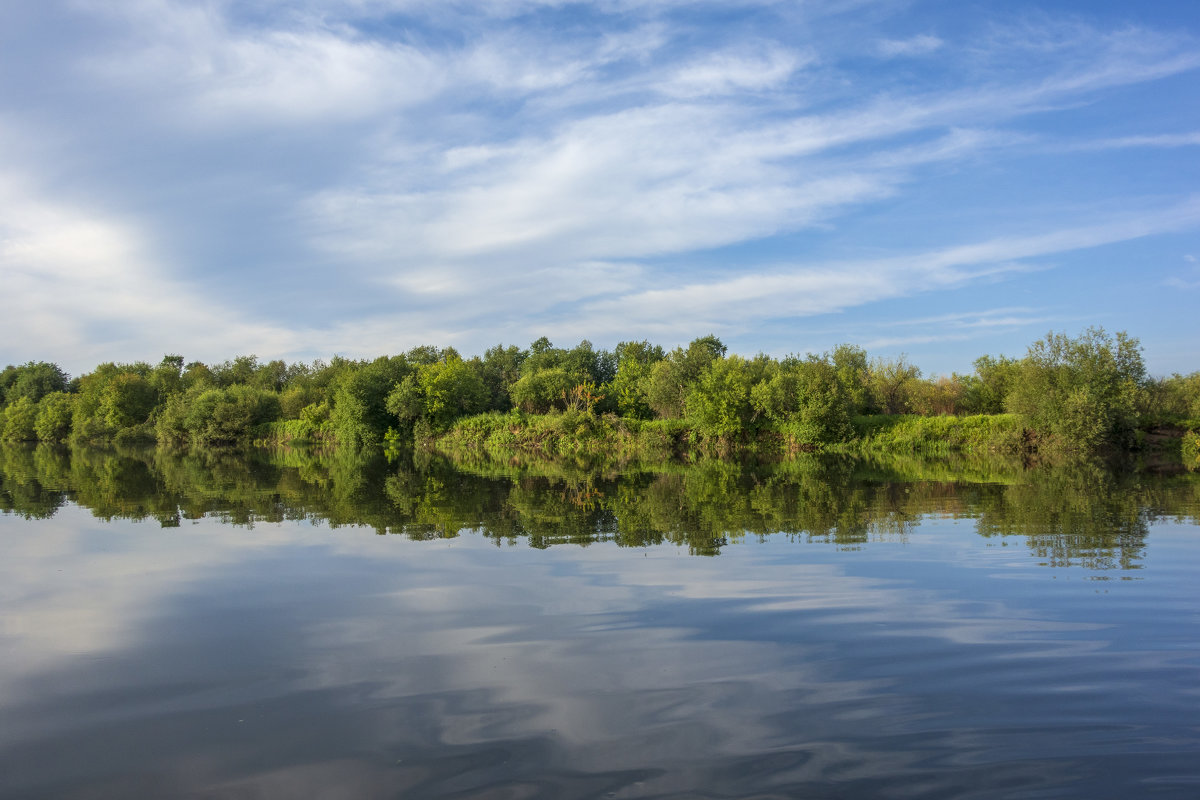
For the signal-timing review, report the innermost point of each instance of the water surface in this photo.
(212, 625)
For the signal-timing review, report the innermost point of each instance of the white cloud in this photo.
(809, 290)
(916, 46)
(1191, 139)
(754, 69)
(90, 285)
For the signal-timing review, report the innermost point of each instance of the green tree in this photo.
(437, 394)
(127, 401)
(34, 380)
(229, 415)
(720, 401)
(852, 368)
(541, 391)
(986, 392)
(360, 416)
(1081, 393)
(54, 417)
(628, 387)
(892, 383)
(499, 370)
(805, 398)
(19, 420)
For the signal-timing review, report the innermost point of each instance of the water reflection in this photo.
(1079, 514)
(891, 633)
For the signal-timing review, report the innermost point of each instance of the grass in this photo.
(981, 433)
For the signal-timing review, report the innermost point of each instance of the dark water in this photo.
(323, 627)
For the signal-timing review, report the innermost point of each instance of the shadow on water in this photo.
(1084, 513)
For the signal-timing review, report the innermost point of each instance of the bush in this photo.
(54, 416)
(1081, 394)
(19, 421)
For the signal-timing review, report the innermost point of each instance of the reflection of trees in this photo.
(1080, 514)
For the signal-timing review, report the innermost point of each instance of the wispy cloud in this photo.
(921, 45)
(1191, 139)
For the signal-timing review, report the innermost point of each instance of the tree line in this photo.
(1086, 392)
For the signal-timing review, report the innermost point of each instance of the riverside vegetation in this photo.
(638, 402)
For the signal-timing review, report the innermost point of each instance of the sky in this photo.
(300, 179)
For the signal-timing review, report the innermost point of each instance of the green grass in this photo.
(982, 433)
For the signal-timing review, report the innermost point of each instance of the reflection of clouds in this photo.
(450, 666)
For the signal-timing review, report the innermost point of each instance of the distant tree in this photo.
(806, 398)
(127, 401)
(19, 420)
(720, 401)
(222, 416)
(852, 369)
(437, 394)
(541, 391)
(986, 392)
(499, 370)
(34, 380)
(891, 384)
(1082, 393)
(628, 386)
(360, 416)
(54, 417)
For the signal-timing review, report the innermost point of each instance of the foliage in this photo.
(986, 392)
(719, 402)
(540, 391)
(1069, 394)
(229, 415)
(892, 384)
(807, 399)
(629, 387)
(33, 380)
(359, 416)
(852, 369)
(1081, 393)
(19, 420)
(55, 414)
(437, 394)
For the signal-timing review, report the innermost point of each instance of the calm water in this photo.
(299, 626)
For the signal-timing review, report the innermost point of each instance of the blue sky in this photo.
(302, 179)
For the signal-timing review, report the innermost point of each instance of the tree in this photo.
(19, 421)
(628, 387)
(540, 391)
(127, 401)
(500, 369)
(229, 415)
(438, 394)
(719, 402)
(986, 392)
(1081, 393)
(807, 399)
(55, 414)
(891, 383)
(34, 380)
(360, 416)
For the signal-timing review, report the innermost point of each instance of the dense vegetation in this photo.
(1088, 393)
